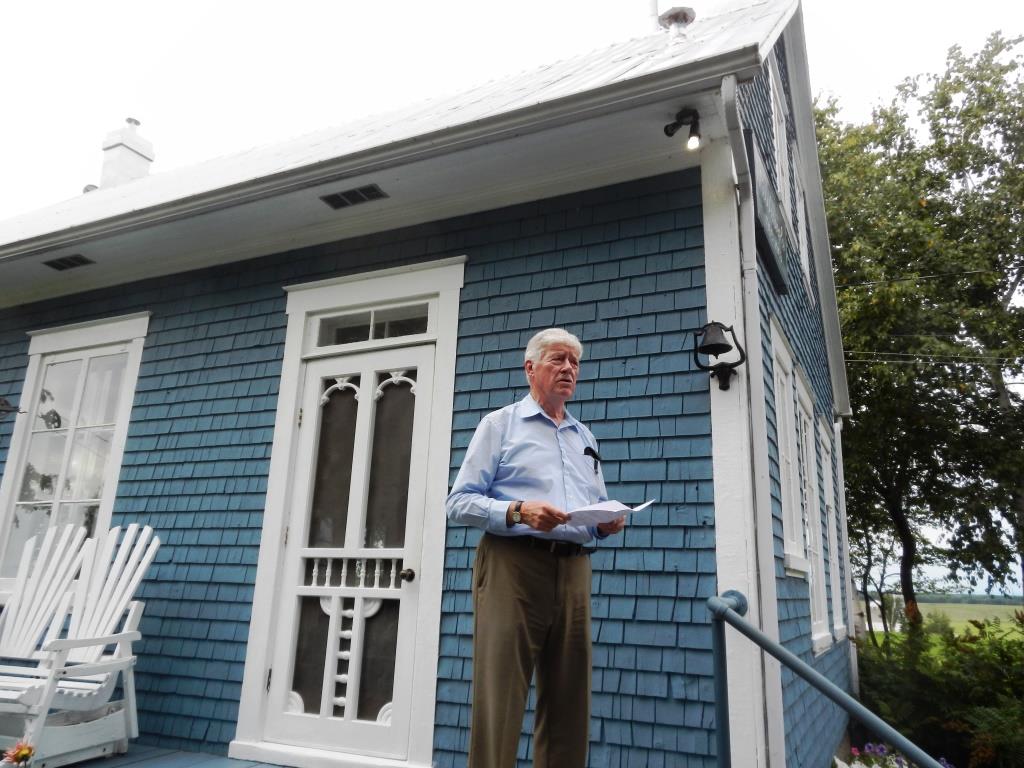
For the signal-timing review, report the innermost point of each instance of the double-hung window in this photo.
(68, 439)
(797, 441)
(825, 435)
(810, 513)
(789, 174)
(789, 451)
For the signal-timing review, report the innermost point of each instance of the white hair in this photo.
(548, 337)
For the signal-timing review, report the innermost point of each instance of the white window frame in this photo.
(800, 227)
(784, 372)
(786, 161)
(809, 510)
(825, 436)
(128, 332)
(437, 283)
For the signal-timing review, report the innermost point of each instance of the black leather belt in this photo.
(555, 547)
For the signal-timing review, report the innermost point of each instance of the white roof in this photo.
(746, 27)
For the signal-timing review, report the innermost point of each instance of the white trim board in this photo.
(735, 524)
(441, 281)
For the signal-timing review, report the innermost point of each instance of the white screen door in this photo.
(342, 674)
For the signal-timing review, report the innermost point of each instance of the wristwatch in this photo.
(515, 517)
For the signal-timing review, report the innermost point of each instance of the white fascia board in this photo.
(680, 81)
(799, 81)
(769, 41)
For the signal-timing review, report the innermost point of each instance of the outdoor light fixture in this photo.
(686, 116)
(710, 340)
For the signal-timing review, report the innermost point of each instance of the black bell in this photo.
(713, 341)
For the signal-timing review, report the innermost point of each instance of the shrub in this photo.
(938, 623)
(956, 696)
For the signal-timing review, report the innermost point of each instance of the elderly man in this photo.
(527, 464)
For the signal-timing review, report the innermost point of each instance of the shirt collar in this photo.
(528, 408)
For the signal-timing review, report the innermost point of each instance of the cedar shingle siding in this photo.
(620, 266)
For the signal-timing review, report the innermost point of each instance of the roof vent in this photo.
(68, 262)
(354, 196)
(674, 19)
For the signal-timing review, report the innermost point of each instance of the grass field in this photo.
(961, 613)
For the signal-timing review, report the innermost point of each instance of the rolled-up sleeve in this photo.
(469, 502)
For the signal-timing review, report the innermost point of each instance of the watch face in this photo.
(516, 517)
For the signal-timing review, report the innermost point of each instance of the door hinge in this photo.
(300, 417)
(269, 673)
(286, 535)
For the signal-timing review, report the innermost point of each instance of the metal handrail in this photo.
(731, 607)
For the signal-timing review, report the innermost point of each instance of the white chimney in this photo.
(126, 155)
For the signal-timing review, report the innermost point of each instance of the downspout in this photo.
(761, 521)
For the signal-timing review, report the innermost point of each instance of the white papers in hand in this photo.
(604, 512)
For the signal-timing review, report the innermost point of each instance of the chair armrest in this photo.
(23, 672)
(101, 667)
(87, 642)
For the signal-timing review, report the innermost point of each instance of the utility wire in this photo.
(943, 355)
(919, 277)
(913, 362)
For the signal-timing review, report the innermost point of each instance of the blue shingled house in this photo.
(277, 359)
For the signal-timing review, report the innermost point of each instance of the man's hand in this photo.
(607, 529)
(541, 515)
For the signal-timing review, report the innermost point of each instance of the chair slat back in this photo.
(42, 589)
(107, 584)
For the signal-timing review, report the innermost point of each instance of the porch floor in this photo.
(141, 756)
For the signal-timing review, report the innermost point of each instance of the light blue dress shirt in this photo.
(519, 453)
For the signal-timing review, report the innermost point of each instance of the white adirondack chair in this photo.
(62, 705)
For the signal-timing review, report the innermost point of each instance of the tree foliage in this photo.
(924, 208)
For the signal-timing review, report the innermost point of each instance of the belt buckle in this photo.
(553, 547)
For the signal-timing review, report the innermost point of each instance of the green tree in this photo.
(924, 211)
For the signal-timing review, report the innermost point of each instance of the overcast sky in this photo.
(207, 78)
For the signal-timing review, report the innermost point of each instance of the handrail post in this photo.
(737, 602)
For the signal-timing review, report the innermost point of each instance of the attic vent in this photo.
(68, 262)
(354, 196)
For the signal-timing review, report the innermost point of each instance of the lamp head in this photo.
(687, 116)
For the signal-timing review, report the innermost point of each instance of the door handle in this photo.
(407, 574)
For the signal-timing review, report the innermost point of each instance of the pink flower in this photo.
(854, 751)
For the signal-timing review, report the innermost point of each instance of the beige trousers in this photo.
(531, 612)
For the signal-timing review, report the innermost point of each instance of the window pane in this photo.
(344, 330)
(102, 390)
(79, 514)
(400, 321)
(29, 520)
(88, 464)
(388, 495)
(311, 648)
(57, 395)
(329, 515)
(377, 680)
(45, 452)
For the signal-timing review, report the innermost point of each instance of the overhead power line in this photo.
(919, 277)
(883, 361)
(941, 355)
